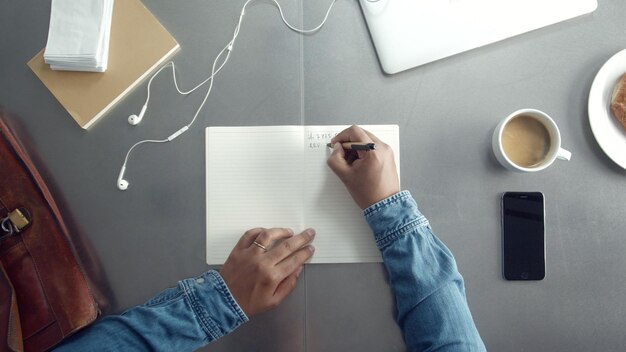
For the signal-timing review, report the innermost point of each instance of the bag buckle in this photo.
(16, 221)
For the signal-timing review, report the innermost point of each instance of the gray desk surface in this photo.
(153, 235)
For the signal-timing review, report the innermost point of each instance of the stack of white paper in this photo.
(78, 38)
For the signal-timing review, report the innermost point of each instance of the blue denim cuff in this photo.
(393, 217)
(213, 304)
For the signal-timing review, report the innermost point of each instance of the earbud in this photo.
(134, 119)
(122, 184)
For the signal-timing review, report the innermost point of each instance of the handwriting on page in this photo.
(318, 140)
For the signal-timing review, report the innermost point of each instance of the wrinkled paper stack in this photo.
(78, 38)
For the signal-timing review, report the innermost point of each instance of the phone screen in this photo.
(523, 236)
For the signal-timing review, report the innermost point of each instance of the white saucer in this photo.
(609, 133)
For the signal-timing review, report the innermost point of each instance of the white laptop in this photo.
(409, 33)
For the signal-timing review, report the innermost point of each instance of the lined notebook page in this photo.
(254, 179)
(343, 235)
(276, 176)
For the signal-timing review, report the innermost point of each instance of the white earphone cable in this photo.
(214, 71)
(282, 16)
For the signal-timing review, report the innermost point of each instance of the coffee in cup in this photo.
(528, 140)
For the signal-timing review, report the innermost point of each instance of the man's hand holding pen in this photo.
(370, 176)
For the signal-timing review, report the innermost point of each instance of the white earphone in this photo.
(122, 184)
(134, 119)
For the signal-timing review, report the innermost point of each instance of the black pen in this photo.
(356, 146)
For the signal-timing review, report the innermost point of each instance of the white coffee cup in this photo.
(554, 150)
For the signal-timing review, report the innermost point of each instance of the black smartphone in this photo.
(523, 236)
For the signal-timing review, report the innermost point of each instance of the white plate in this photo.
(609, 133)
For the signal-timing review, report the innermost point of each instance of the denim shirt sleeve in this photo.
(183, 318)
(430, 295)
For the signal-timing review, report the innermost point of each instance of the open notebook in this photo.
(276, 176)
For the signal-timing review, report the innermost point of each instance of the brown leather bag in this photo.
(44, 292)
